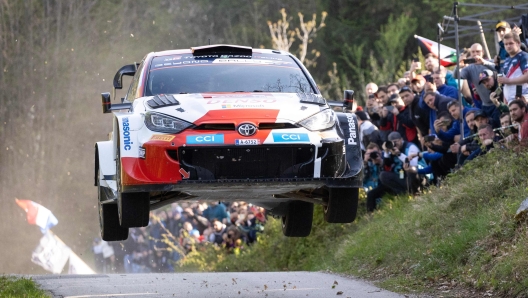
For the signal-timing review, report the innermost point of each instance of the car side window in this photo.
(132, 91)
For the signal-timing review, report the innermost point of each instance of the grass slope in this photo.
(455, 240)
(19, 287)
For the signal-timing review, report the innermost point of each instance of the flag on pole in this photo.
(51, 253)
(447, 54)
(37, 214)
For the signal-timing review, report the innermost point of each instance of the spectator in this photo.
(453, 134)
(394, 179)
(368, 132)
(502, 28)
(383, 95)
(372, 162)
(518, 115)
(417, 84)
(97, 248)
(443, 124)
(393, 89)
(434, 103)
(487, 138)
(219, 229)
(216, 211)
(481, 118)
(398, 118)
(471, 73)
(514, 69)
(439, 79)
(371, 88)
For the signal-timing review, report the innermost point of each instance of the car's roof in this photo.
(189, 51)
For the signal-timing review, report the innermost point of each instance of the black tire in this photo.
(109, 218)
(342, 205)
(133, 208)
(298, 219)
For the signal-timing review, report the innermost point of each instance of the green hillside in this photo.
(455, 240)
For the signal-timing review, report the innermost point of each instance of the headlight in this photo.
(163, 123)
(320, 121)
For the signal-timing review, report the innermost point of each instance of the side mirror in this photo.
(108, 107)
(350, 102)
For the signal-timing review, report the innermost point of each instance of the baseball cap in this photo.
(394, 136)
(418, 78)
(486, 73)
(405, 89)
(502, 25)
(479, 113)
(362, 115)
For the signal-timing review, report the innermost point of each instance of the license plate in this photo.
(247, 142)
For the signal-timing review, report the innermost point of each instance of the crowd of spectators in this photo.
(178, 230)
(416, 131)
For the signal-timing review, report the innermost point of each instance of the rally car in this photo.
(226, 123)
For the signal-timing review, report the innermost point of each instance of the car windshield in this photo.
(185, 73)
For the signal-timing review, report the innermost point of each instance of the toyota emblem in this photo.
(247, 129)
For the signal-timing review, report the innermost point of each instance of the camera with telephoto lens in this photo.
(373, 155)
(389, 145)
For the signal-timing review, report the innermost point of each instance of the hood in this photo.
(200, 108)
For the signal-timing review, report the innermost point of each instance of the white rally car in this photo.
(226, 123)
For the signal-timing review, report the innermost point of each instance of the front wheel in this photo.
(298, 219)
(342, 205)
(109, 225)
(133, 208)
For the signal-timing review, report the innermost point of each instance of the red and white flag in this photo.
(37, 214)
(447, 54)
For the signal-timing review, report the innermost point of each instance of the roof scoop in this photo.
(221, 49)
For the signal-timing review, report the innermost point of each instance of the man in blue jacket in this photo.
(439, 79)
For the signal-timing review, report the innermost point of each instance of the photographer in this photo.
(397, 117)
(372, 162)
(394, 178)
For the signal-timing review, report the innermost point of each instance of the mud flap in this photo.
(348, 129)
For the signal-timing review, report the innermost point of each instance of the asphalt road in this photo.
(210, 285)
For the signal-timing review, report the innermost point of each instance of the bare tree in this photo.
(309, 29)
(281, 37)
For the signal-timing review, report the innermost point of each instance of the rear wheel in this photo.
(298, 219)
(342, 205)
(133, 208)
(109, 218)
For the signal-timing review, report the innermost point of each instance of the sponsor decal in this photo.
(240, 101)
(290, 137)
(206, 139)
(247, 142)
(126, 134)
(165, 138)
(242, 106)
(352, 134)
(173, 58)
